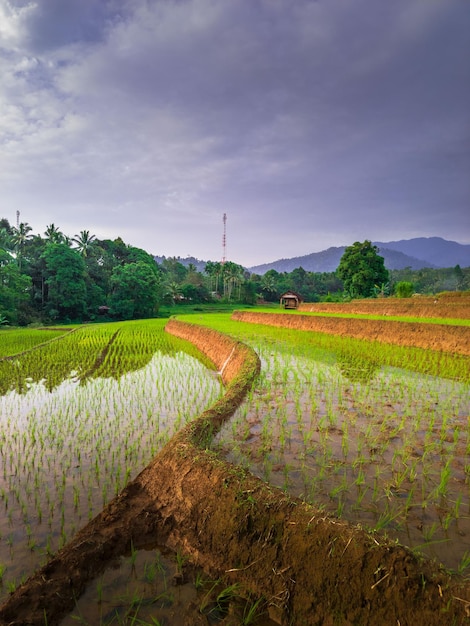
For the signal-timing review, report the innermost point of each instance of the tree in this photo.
(135, 291)
(6, 236)
(83, 242)
(269, 283)
(14, 288)
(298, 279)
(213, 270)
(232, 276)
(361, 269)
(4, 223)
(20, 237)
(173, 292)
(174, 270)
(65, 279)
(53, 234)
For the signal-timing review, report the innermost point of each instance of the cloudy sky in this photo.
(310, 123)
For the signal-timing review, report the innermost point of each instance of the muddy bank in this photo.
(456, 306)
(441, 337)
(311, 569)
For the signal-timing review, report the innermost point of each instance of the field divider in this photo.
(310, 568)
(12, 357)
(440, 337)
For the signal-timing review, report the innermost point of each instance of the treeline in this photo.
(54, 278)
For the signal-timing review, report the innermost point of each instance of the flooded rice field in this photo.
(65, 453)
(378, 446)
(382, 447)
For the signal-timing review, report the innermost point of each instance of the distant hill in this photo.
(435, 250)
(416, 253)
(190, 260)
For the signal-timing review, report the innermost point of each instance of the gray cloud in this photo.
(309, 123)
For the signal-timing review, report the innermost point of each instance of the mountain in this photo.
(435, 250)
(415, 253)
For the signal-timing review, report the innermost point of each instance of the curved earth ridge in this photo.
(311, 569)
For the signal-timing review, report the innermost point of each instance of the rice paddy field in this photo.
(362, 430)
(80, 417)
(377, 435)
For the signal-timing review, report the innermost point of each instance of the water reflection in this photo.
(89, 354)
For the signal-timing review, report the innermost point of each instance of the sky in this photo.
(309, 123)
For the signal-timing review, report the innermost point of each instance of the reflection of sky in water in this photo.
(148, 389)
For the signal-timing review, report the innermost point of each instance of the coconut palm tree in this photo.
(84, 242)
(53, 234)
(173, 292)
(232, 275)
(20, 237)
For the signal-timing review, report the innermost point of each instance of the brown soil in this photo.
(442, 337)
(311, 569)
(455, 305)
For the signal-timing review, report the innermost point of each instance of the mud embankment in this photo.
(311, 569)
(446, 306)
(442, 337)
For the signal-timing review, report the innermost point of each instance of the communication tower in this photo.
(17, 219)
(224, 240)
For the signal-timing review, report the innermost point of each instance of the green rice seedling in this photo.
(396, 419)
(11, 586)
(442, 488)
(14, 341)
(464, 564)
(74, 439)
(252, 612)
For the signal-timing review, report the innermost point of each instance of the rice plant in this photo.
(80, 418)
(337, 423)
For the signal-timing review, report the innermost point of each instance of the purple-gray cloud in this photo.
(310, 123)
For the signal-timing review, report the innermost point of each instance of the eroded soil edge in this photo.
(311, 569)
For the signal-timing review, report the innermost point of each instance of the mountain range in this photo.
(418, 253)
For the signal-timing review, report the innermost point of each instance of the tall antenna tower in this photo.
(17, 219)
(224, 240)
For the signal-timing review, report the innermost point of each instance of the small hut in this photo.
(290, 300)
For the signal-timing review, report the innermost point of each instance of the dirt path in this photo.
(312, 569)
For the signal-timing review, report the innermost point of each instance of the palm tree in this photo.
(173, 292)
(214, 269)
(84, 242)
(232, 276)
(20, 237)
(53, 234)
